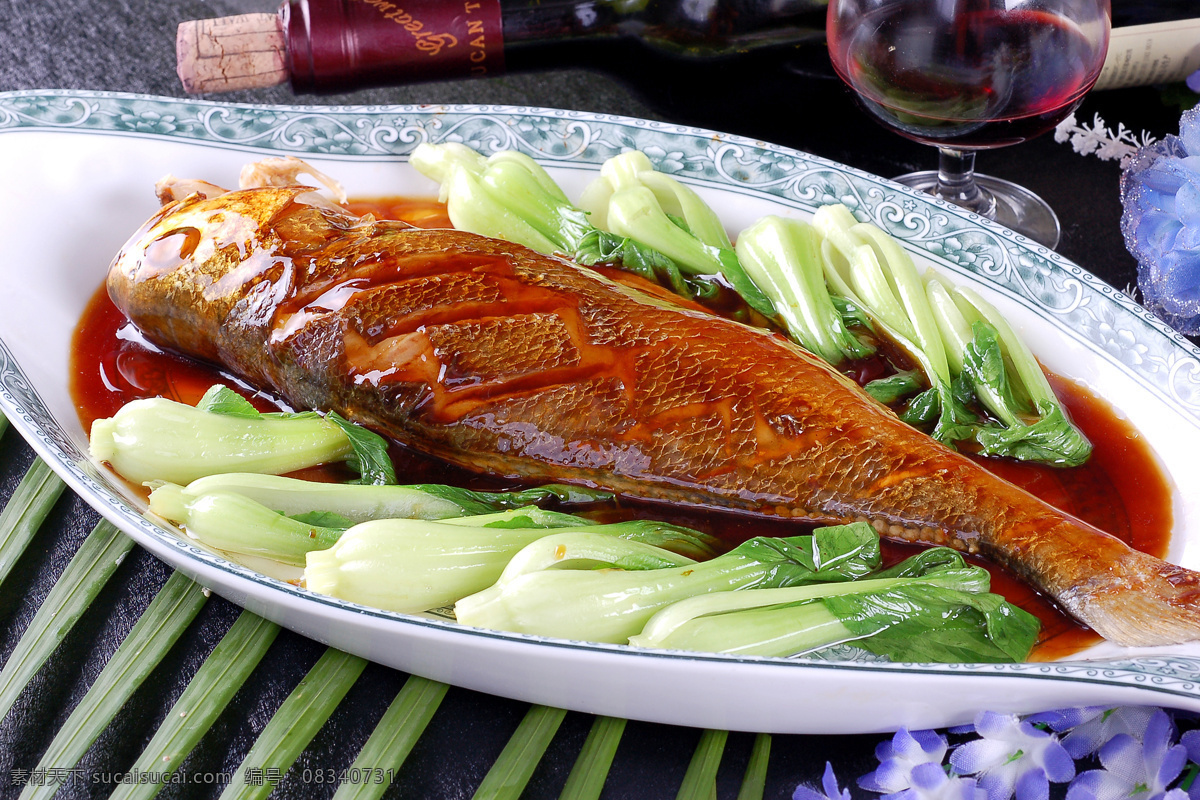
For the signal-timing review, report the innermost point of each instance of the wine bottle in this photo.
(335, 45)
(1155, 52)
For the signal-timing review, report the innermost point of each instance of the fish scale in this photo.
(595, 382)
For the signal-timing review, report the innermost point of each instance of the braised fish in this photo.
(499, 359)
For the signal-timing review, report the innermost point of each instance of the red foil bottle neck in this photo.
(343, 44)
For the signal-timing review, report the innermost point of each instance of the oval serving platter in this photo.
(80, 170)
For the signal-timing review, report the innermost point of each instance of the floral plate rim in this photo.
(1167, 364)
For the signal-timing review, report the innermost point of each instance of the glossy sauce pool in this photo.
(1120, 490)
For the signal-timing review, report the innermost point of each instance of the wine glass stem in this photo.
(956, 182)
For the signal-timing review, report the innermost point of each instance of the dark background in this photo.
(788, 97)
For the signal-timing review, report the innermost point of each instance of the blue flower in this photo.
(1161, 193)
(1013, 756)
(828, 783)
(898, 757)
(1135, 770)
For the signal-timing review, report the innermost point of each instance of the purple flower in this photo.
(1135, 770)
(898, 757)
(828, 783)
(1160, 191)
(1191, 742)
(1012, 756)
(1092, 727)
(930, 782)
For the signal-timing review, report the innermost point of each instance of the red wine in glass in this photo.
(968, 75)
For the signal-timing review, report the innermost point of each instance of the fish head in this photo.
(203, 264)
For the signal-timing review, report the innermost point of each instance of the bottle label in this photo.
(1161, 52)
(434, 38)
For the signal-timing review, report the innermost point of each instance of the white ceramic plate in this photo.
(79, 170)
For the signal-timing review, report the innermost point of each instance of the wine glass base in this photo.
(1016, 207)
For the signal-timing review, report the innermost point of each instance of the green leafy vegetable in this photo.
(783, 258)
(1053, 439)
(868, 268)
(158, 439)
(539, 593)
(369, 451)
(360, 503)
(631, 199)
(370, 457)
(219, 399)
(1008, 381)
(602, 247)
(896, 387)
(930, 607)
(930, 623)
(507, 196)
(651, 224)
(236, 524)
(414, 565)
(482, 502)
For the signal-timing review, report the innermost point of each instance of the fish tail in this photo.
(1139, 602)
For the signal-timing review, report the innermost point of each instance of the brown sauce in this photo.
(1121, 489)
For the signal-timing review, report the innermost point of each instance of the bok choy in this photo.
(360, 503)
(618, 585)
(412, 565)
(994, 363)
(641, 220)
(634, 200)
(965, 349)
(783, 257)
(284, 519)
(931, 607)
(159, 439)
(506, 196)
(866, 266)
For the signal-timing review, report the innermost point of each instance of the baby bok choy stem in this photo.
(783, 258)
(410, 565)
(998, 366)
(283, 519)
(506, 196)
(160, 440)
(642, 220)
(617, 586)
(871, 270)
(932, 607)
(360, 503)
(633, 200)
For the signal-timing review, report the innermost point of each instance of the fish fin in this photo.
(1146, 601)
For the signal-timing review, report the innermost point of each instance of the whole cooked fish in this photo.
(493, 357)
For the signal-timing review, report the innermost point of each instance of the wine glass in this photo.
(970, 75)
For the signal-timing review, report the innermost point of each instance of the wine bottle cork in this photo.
(229, 53)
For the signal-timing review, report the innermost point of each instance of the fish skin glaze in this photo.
(493, 357)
